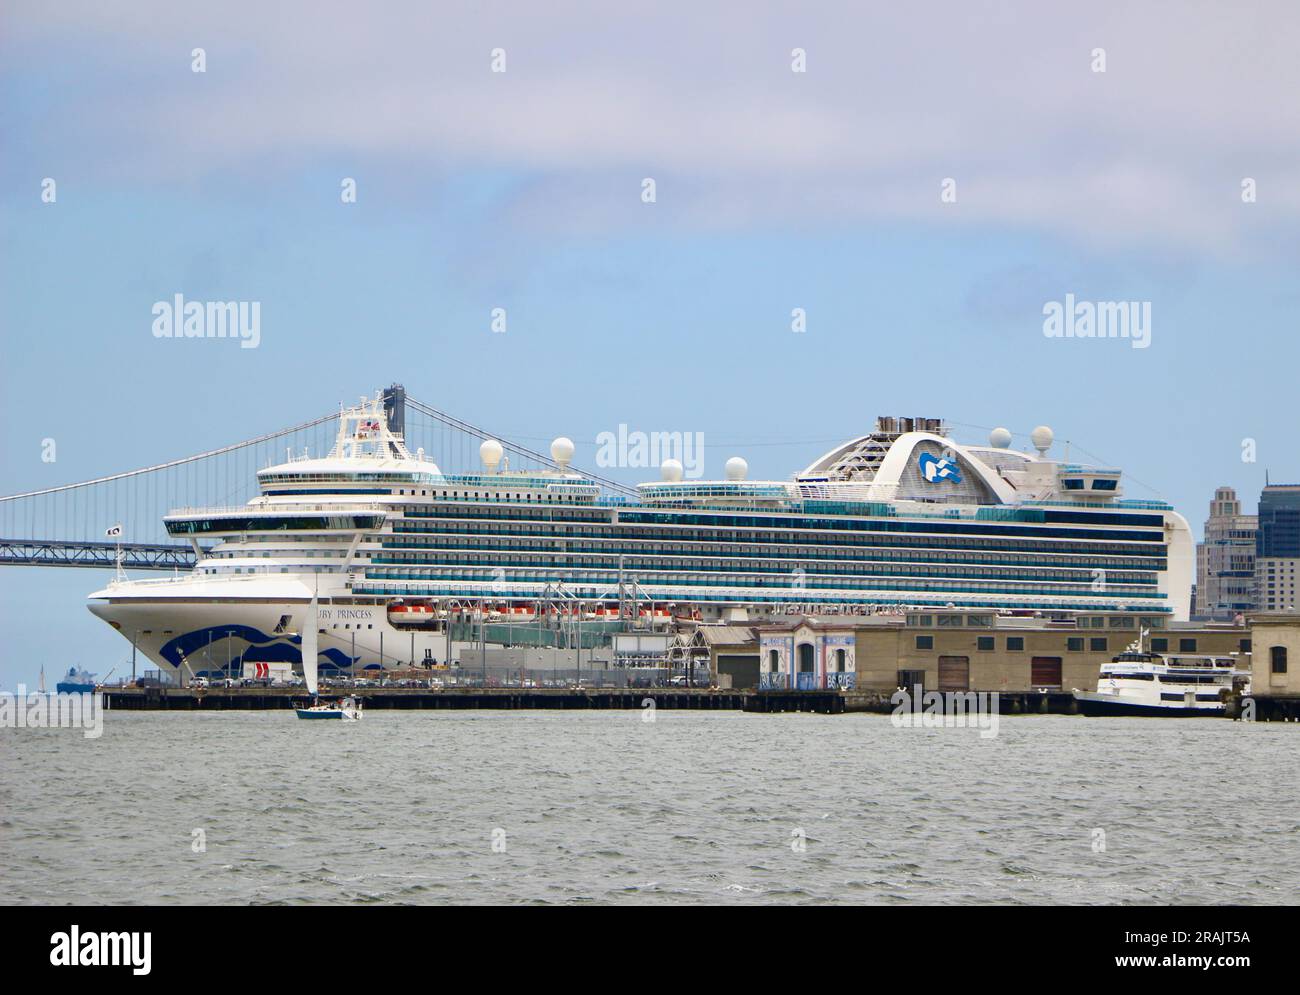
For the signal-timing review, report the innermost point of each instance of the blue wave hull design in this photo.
(260, 648)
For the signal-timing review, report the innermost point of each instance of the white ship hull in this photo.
(196, 626)
(1097, 703)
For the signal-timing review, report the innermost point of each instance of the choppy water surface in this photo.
(601, 807)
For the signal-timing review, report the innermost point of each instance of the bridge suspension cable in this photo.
(176, 462)
(86, 522)
(451, 421)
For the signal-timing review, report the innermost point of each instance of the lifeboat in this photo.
(410, 613)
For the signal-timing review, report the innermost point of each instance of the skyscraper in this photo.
(1277, 548)
(1225, 561)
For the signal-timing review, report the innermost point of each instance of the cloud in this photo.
(999, 96)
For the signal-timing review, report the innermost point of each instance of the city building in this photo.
(1225, 561)
(1277, 548)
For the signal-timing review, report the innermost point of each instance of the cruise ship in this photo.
(391, 547)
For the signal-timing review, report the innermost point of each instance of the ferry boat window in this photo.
(1277, 659)
(1074, 644)
(1187, 646)
(1159, 645)
(925, 642)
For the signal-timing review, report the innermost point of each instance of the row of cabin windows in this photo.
(1096, 644)
(487, 496)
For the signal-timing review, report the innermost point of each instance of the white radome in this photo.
(1000, 438)
(562, 451)
(1042, 438)
(737, 468)
(490, 452)
(671, 470)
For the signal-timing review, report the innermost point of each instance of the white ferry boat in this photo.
(903, 516)
(1137, 682)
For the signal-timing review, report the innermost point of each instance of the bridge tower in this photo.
(395, 409)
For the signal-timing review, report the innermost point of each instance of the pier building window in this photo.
(984, 643)
(925, 642)
(773, 661)
(1159, 645)
(1098, 645)
(1074, 644)
(1015, 644)
(1187, 646)
(1277, 659)
(839, 661)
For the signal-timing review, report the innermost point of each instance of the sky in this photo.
(933, 178)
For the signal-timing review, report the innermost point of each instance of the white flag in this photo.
(116, 530)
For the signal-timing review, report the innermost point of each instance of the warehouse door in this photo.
(910, 680)
(1045, 672)
(954, 673)
(740, 669)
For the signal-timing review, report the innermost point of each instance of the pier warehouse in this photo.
(965, 650)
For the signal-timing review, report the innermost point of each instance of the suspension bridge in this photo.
(118, 518)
